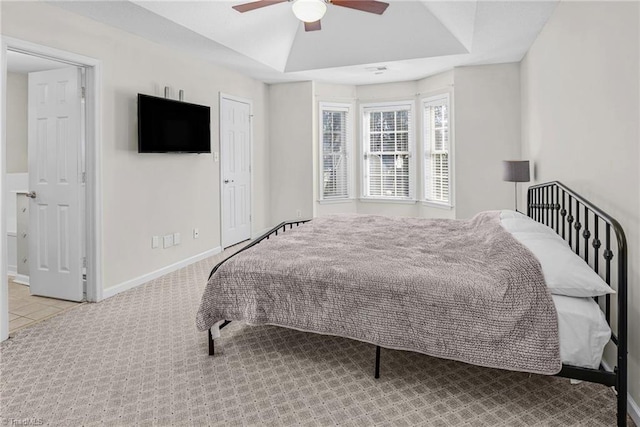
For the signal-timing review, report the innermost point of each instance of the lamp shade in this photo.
(309, 10)
(515, 170)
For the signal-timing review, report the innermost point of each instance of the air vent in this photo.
(377, 70)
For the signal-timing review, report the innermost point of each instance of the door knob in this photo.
(226, 181)
(31, 194)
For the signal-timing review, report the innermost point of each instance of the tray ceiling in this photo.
(412, 39)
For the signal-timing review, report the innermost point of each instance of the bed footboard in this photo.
(280, 228)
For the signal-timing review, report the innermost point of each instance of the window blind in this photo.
(437, 150)
(387, 148)
(335, 167)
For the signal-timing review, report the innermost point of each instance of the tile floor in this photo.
(25, 309)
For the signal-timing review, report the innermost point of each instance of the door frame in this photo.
(93, 166)
(224, 96)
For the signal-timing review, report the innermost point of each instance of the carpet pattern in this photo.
(137, 359)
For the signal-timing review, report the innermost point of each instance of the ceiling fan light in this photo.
(309, 10)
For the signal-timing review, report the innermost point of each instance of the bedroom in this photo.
(540, 109)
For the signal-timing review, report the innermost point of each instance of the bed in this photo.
(526, 293)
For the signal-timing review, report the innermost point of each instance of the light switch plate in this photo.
(155, 242)
(176, 239)
(216, 156)
(196, 233)
(167, 241)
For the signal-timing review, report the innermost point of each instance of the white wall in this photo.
(291, 134)
(580, 121)
(260, 168)
(17, 97)
(149, 194)
(487, 115)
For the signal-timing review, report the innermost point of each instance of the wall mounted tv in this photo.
(169, 126)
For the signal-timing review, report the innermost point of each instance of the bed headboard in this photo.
(596, 237)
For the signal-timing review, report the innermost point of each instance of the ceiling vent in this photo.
(377, 70)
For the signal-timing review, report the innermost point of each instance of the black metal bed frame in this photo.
(555, 205)
(566, 212)
(282, 227)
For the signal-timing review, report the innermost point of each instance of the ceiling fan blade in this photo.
(370, 6)
(312, 26)
(246, 7)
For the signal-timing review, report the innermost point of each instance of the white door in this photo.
(235, 160)
(55, 256)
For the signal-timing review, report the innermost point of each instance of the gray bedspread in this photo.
(457, 289)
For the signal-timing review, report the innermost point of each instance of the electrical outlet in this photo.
(155, 242)
(196, 233)
(167, 241)
(298, 213)
(176, 239)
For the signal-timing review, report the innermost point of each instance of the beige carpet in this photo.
(137, 359)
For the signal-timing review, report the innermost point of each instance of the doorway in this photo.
(45, 121)
(235, 169)
(56, 196)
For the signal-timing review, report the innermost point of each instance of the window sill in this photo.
(335, 201)
(381, 200)
(437, 205)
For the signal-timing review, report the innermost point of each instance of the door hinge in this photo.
(83, 91)
(84, 262)
(84, 177)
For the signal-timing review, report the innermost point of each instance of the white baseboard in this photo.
(21, 279)
(129, 284)
(12, 270)
(633, 409)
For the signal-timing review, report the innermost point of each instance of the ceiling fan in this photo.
(311, 11)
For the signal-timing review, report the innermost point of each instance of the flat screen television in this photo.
(169, 126)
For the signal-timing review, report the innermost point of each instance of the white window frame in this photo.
(364, 133)
(347, 108)
(427, 149)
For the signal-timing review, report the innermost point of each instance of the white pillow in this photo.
(516, 222)
(564, 272)
(506, 213)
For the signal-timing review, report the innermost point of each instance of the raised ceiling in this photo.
(411, 40)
